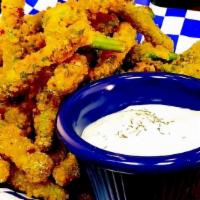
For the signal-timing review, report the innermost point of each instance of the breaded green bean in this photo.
(13, 12)
(4, 170)
(33, 43)
(187, 63)
(147, 66)
(146, 25)
(12, 19)
(22, 38)
(96, 6)
(68, 76)
(189, 69)
(18, 117)
(64, 15)
(17, 80)
(2, 33)
(62, 41)
(44, 119)
(146, 51)
(66, 171)
(32, 24)
(192, 55)
(32, 37)
(46, 190)
(139, 16)
(36, 165)
(65, 80)
(148, 58)
(109, 61)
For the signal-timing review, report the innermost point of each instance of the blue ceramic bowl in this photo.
(120, 177)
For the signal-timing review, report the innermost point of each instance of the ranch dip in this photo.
(146, 130)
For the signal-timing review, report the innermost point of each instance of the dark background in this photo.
(191, 4)
(188, 4)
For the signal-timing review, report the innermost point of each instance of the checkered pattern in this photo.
(183, 26)
(33, 6)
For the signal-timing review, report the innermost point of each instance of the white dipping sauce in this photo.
(146, 130)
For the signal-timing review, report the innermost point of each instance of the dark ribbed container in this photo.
(112, 185)
(177, 3)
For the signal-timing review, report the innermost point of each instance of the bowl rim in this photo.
(119, 162)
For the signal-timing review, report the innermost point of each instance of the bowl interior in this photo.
(112, 95)
(115, 93)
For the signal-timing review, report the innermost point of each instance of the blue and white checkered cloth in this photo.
(183, 26)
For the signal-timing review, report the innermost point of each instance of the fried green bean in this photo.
(146, 51)
(46, 190)
(32, 24)
(32, 36)
(17, 80)
(68, 76)
(19, 149)
(4, 170)
(65, 80)
(188, 63)
(132, 13)
(2, 32)
(12, 19)
(12, 13)
(148, 58)
(66, 171)
(22, 121)
(44, 119)
(146, 26)
(65, 15)
(109, 61)
(33, 43)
